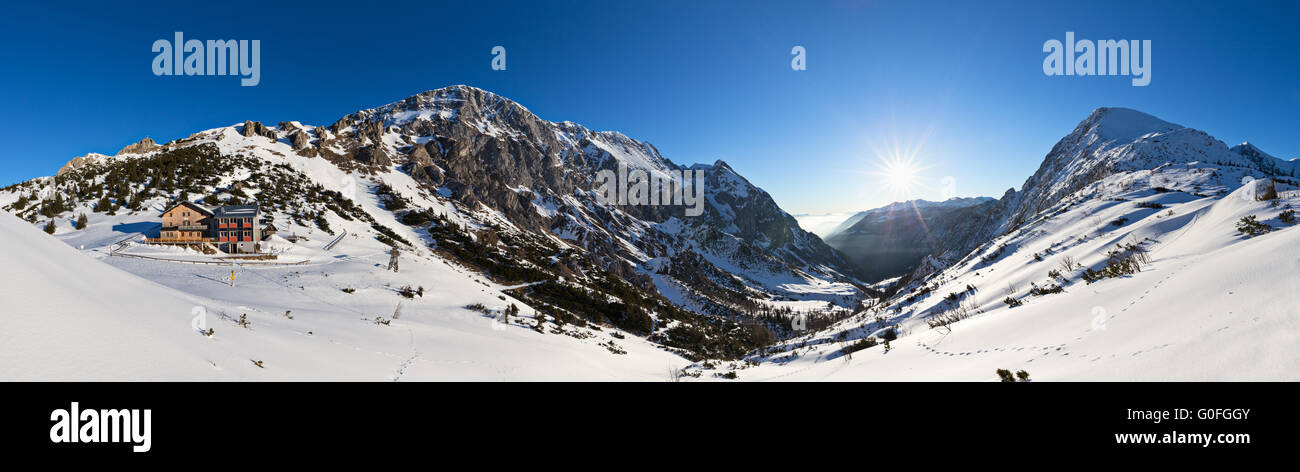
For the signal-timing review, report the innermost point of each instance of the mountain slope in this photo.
(1114, 141)
(69, 316)
(465, 176)
(1125, 257)
(1211, 304)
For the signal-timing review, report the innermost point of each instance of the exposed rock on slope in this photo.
(145, 145)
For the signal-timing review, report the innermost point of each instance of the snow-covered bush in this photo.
(1046, 290)
(889, 335)
(1126, 259)
(863, 343)
(1250, 226)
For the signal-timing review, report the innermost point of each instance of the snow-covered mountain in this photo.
(1108, 142)
(470, 177)
(1140, 250)
(1210, 303)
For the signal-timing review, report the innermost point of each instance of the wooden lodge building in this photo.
(231, 229)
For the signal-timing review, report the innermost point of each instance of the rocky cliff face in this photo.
(145, 145)
(485, 151)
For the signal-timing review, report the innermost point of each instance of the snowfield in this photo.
(1212, 305)
(73, 315)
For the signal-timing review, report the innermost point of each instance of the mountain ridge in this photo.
(1109, 141)
(482, 167)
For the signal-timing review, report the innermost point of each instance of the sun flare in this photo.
(898, 175)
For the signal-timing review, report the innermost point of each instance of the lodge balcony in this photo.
(180, 240)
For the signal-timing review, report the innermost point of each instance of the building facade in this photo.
(236, 229)
(185, 223)
(232, 228)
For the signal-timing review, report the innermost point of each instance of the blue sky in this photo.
(958, 84)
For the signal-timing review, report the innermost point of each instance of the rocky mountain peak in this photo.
(79, 161)
(145, 145)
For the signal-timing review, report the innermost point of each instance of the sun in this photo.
(894, 169)
(900, 175)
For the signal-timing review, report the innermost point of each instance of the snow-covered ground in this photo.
(84, 315)
(1211, 305)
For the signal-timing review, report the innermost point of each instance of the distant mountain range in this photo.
(891, 240)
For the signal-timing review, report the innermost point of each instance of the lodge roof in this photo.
(235, 211)
(192, 205)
